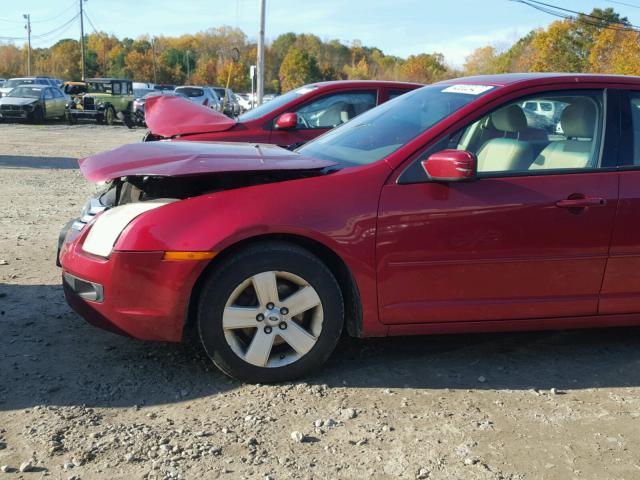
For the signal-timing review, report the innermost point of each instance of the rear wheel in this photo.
(270, 313)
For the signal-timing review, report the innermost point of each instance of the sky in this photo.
(398, 27)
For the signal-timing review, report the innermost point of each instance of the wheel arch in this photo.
(337, 266)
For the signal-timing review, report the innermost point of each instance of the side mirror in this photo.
(450, 166)
(286, 121)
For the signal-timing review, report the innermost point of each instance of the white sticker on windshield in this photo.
(468, 89)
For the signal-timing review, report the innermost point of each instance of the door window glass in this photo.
(396, 93)
(333, 110)
(635, 123)
(116, 88)
(563, 132)
(48, 94)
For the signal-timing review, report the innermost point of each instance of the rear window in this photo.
(191, 91)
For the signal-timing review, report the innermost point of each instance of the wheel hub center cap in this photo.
(273, 317)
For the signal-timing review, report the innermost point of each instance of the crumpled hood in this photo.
(17, 101)
(170, 116)
(176, 158)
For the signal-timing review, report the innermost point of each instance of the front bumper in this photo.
(140, 294)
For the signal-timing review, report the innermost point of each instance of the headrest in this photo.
(509, 119)
(578, 120)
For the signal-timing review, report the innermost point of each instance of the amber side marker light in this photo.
(188, 255)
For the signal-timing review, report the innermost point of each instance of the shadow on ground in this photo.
(49, 356)
(21, 161)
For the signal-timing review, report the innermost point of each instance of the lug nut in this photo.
(260, 317)
(270, 305)
(282, 325)
(284, 311)
(267, 329)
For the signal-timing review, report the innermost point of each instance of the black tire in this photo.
(109, 115)
(255, 259)
(38, 115)
(71, 119)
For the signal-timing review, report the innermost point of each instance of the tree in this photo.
(482, 61)
(559, 49)
(424, 68)
(298, 68)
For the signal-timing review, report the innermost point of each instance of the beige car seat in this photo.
(578, 122)
(506, 154)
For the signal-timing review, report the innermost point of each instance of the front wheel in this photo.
(270, 313)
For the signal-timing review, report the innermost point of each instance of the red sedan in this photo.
(463, 206)
(288, 120)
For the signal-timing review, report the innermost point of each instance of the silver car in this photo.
(14, 82)
(201, 95)
(33, 102)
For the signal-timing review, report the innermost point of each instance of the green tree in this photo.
(298, 68)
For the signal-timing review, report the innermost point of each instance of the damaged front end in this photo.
(152, 175)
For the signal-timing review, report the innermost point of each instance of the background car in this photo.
(230, 105)
(204, 96)
(105, 100)
(33, 102)
(245, 102)
(14, 82)
(289, 120)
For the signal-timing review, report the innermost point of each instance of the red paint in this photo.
(450, 166)
(287, 120)
(490, 254)
(170, 117)
(192, 158)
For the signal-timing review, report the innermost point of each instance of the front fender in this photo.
(337, 210)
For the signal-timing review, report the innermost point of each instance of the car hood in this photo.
(176, 158)
(17, 101)
(171, 116)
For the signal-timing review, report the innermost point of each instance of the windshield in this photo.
(381, 131)
(19, 81)
(26, 92)
(191, 92)
(99, 87)
(274, 104)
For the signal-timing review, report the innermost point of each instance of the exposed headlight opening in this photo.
(107, 228)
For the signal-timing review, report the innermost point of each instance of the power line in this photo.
(46, 35)
(599, 22)
(45, 20)
(624, 4)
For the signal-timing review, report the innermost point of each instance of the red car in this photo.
(449, 209)
(288, 120)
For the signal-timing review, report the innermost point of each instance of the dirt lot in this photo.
(81, 403)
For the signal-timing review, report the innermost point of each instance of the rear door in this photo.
(323, 113)
(621, 285)
(529, 238)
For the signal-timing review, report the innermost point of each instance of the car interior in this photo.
(517, 139)
(334, 110)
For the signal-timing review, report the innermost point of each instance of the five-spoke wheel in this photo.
(270, 313)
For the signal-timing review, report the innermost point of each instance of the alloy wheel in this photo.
(272, 319)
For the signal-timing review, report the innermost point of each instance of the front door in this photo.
(528, 238)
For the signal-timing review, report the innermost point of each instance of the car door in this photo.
(621, 285)
(49, 102)
(324, 113)
(527, 239)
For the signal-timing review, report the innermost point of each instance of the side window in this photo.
(116, 88)
(396, 93)
(332, 110)
(547, 132)
(47, 94)
(635, 123)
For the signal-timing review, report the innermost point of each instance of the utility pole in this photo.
(27, 17)
(82, 40)
(153, 55)
(260, 83)
(188, 68)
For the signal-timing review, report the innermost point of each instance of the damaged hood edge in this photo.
(170, 116)
(176, 158)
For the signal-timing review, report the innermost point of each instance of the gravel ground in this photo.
(80, 403)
